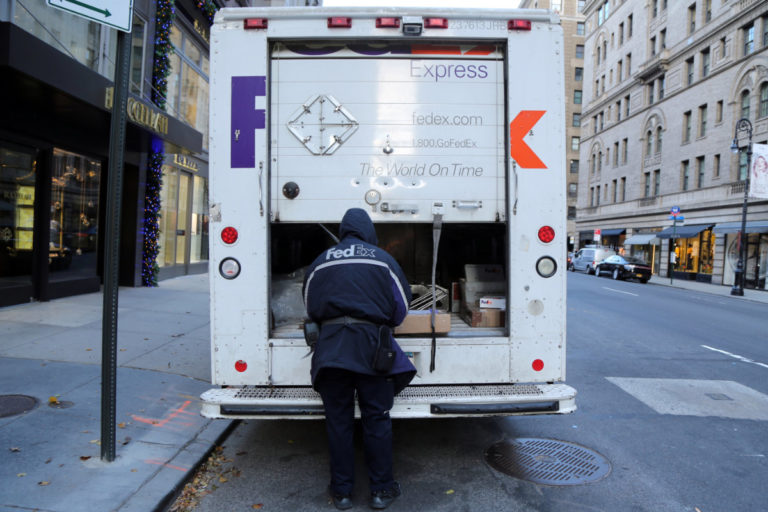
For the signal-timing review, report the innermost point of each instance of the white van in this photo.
(587, 258)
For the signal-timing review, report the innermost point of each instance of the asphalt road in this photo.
(673, 391)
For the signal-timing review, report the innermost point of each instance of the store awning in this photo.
(612, 232)
(683, 231)
(758, 226)
(642, 239)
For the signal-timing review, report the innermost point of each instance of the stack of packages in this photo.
(483, 301)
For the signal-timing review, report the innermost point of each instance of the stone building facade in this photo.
(665, 86)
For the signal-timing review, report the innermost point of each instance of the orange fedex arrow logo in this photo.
(519, 150)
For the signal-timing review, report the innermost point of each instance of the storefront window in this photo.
(17, 219)
(199, 223)
(756, 263)
(695, 254)
(88, 42)
(74, 229)
(169, 196)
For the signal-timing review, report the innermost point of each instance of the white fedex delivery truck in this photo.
(446, 126)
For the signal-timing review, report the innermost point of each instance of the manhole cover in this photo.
(548, 461)
(11, 405)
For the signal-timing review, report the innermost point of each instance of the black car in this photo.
(624, 267)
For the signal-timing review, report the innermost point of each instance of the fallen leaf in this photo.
(48, 461)
(53, 400)
(222, 479)
(15, 449)
(121, 425)
(44, 483)
(257, 506)
(88, 349)
(134, 470)
(21, 474)
(85, 457)
(95, 441)
(449, 491)
(123, 349)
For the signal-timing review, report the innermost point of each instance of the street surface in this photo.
(673, 391)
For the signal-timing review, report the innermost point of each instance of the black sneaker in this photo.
(384, 498)
(340, 501)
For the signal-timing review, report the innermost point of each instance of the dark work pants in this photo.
(375, 395)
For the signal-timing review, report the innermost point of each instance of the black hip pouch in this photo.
(384, 356)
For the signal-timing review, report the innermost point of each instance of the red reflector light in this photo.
(435, 23)
(519, 25)
(387, 22)
(546, 234)
(229, 235)
(241, 366)
(537, 365)
(339, 22)
(256, 23)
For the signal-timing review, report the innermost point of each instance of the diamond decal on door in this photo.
(322, 124)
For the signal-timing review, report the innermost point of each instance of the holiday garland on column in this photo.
(160, 71)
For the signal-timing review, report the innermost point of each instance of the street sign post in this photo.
(114, 13)
(596, 235)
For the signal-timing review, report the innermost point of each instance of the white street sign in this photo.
(114, 13)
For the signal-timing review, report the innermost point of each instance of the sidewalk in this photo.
(749, 294)
(50, 455)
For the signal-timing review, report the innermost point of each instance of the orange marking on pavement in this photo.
(161, 423)
(158, 462)
(519, 150)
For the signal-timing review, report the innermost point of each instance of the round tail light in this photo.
(546, 234)
(229, 235)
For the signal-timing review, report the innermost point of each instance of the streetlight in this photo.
(742, 124)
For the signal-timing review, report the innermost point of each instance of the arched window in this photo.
(764, 98)
(745, 104)
(649, 143)
(600, 161)
(658, 140)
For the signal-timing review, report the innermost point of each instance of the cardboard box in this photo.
(476, 317)
(419, 322)
(493, 302)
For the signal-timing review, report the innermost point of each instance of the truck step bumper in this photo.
(300, 402)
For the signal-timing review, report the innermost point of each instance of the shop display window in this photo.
(199, 224)
(695, 255)
(74, 225)
(17, 218)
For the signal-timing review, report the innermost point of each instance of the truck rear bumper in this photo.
(264, 402)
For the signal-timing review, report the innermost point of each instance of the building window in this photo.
(742, 165)
(648, 144)
(571, 212)
(138, 45)
(578, 74)
(618, 110)
(602, 118)
(707, 11)
(748, 33)
(623, 189)
(689, 71)
(577, 97)
(614, 190)
(597, 196)
(580, 28)
(692, 19)
(621, 33)
(600, 162)
(745, 104)
(687, 126)
(574, 143)
(722, 48)
(655, 9)
(661, 81)
(686, 171)
(594, 124)
(705, 63)
(624, 150)
(703, 121)
(628, 60)
(579, 51)
(616, 154)
(658, 139)
(716, 167)
(719, 112)
(576, 119)
(629, 26)
(765, 30)
(656, 182)
(603, 12)
(619, 71)
(764, 99)
(591, 196)
(626, 106)
(572, 190)
(699, 171)
(653, 46)
(574, 167)
(592, 164)
(647, 189)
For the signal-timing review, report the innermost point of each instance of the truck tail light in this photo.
(229, 235)
(387, 22)
(339, 22)
(546, 234)
(255, 23)
(519, 25)
(546, 266)
(241, 366)
(435, 22)
(229, 268)
(537, 365)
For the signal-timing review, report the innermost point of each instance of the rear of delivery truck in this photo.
(447, 127)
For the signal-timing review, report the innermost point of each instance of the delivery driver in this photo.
(357, 293)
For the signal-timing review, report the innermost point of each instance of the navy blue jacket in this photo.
(358, 279)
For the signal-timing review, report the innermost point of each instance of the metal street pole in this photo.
(112, 248)
(739, 280)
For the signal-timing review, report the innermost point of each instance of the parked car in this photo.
(587, 258)
(624, 267)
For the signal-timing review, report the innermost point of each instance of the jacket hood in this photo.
(357, 223)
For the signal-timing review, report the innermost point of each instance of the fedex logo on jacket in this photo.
(349, 252)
